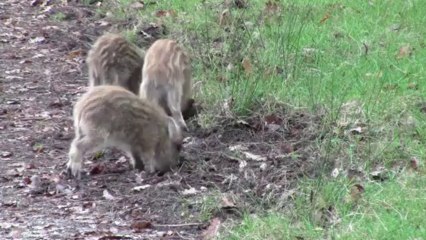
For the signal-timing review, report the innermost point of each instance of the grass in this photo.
(59, 17)
(362, 62)
(391, 210)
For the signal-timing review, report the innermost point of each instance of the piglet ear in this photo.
(175, 133)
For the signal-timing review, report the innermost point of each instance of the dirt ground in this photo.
(239, 166)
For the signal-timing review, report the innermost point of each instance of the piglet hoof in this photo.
(139, 166)
(70, 174)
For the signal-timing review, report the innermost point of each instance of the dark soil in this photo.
(42, 74)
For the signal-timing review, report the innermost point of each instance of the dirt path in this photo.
(42, 72)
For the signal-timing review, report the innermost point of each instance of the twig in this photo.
(178, 225)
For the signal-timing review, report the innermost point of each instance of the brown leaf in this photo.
(97, 169)
(141, 225)
(325, 18)
(413, 86)
(287, 148)
(356, 192)
(225, 18)
(248, 68)
(271, 7)
(27, 180)
(414, 163)
(404, 51)
(272, 119)
(212, 230)
(165, 13)
(30, 166)
(74, 54)
(226, 203)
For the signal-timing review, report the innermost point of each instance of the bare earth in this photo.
(241, 166)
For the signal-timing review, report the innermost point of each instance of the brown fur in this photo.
(167, 78)
(111, 116)
(113, 60)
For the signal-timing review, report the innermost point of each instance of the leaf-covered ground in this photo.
(241, 166)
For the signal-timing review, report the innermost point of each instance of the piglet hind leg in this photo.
(174, 103)
(136, 161)
(148, 160)
(80, 146)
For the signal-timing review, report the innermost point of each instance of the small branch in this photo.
(178, 225)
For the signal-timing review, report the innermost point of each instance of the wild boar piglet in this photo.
(111, 116)
(113, 60)
(166, 78)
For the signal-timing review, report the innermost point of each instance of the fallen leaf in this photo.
(137, 5)
(12, 102)
(121, 160)
(27, 180)
(227, 106)
(287, 148)
(37, 40)
(271, 7)
(38, 148)
(414, 163)
(254, 157)
(63, 189)
(335, 173)
(240, 3)
(325, 18)
(138, 226)
(140, 188)
(379, 174)
(103, 23)
(38, 55)
(213, 229)
(242, 122)
(404, 51)
(108, 195)
(269, 119)
(25, 61)
(226, 203)
(190, 191)
(273, 127)
(356, 192)
(97, 169)
(413, 85)
(6, 154)
(238, 147)
(36, 3)
(357, 130)
(165, 13)
(225, 18)
(13, 173)
(248, 68)
(75, 53)
(30, 166)
(35, 182)
(242, 165)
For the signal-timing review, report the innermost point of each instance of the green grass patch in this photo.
(391, 210)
